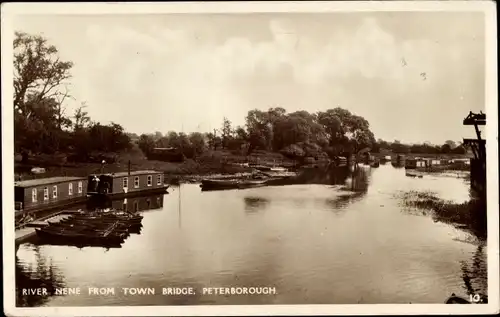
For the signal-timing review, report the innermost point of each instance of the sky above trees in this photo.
(413, 76)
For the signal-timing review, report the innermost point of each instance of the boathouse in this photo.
(416, 163)
(43, 193)
(126, 183)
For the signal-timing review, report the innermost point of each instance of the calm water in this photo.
(338, 239)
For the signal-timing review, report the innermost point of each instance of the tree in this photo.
(197, 142)
(108, 138)
(146, 144)
(226, 132)
(81, 117)
(399, 148)
(158, 135)
(38, 72)
(259, 129)
(445, 148)
(451, 144)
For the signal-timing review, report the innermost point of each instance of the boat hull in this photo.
(231, 184)
(78, 238)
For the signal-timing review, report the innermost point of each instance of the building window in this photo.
(136, 182)
(150, 180)
(80, 187)
(158, 180)
(125, 182)
(70, 189)
(45, 193)
(33, 195)
(54, 191)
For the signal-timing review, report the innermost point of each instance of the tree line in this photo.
(300, 134)
(43, 126)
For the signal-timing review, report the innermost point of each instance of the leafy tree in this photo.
(197, 142)
(81, 117)
(445, 148)
(38, 72)
(146, 144)
(226, 133)
(451, 144)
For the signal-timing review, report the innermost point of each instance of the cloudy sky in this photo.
(413, 76)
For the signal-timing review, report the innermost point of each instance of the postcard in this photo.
(250, 158)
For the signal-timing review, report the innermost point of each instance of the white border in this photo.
(8, 10)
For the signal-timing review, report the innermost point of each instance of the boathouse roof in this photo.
(46, 181)
(133, 173)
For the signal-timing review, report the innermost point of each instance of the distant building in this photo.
(416, 163)
(169, 154)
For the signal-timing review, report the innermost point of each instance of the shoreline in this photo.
(470, 215)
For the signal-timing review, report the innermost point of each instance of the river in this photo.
(334, 237)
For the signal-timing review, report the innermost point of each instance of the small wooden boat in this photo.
(261, 167)
(218, 184)
(95, 221)
(278, 169)
(79, 236)
(114, 215)
(251, 183)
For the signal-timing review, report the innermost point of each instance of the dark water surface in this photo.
(334, 239)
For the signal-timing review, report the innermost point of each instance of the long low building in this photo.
(126, 184)
(45, 193)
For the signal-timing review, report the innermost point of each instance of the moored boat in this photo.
(214, 184)
(251, 183)
(79, 235)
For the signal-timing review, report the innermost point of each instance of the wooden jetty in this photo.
(478, 147)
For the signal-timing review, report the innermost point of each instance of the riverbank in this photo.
(470, 215)
(455, 167)
(174, 173)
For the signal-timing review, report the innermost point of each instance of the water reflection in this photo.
(343, 201)
(36, 275)
(131, 204)
(475, 274)
(254, 204)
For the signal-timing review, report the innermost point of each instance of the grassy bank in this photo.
(470, 215)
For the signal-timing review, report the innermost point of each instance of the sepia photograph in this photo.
(250, 158)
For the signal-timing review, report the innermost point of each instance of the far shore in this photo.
(189, 171)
